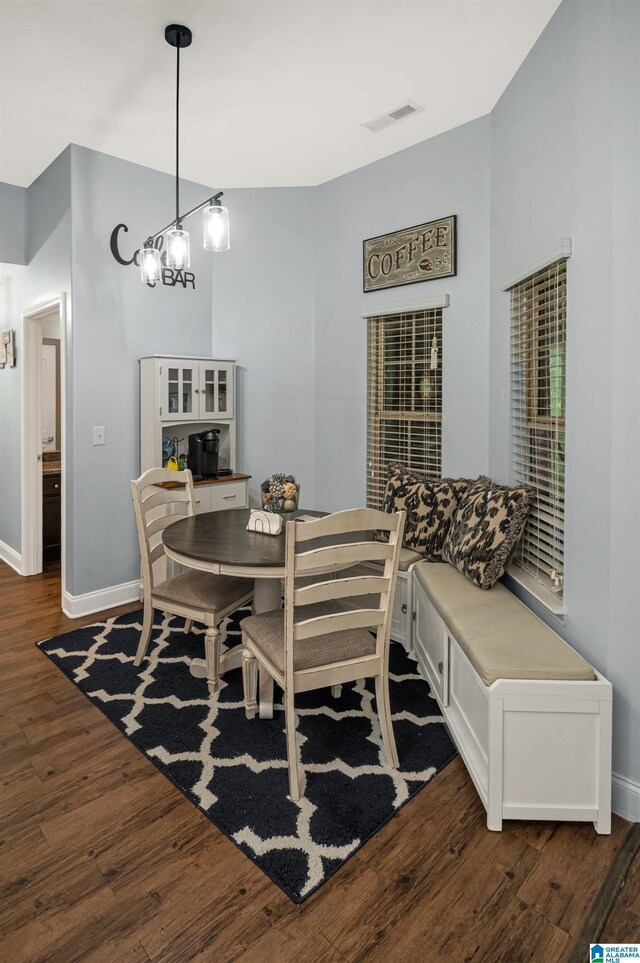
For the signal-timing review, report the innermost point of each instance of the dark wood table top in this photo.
(222, 537)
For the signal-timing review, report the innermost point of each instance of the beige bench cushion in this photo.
(500, 636)
(407, 558)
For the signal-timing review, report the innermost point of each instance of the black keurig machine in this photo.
(203, 454)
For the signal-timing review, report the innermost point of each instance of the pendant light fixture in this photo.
(215, 216)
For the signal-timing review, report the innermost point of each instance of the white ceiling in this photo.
(274, 92)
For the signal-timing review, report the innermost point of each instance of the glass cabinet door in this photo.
(179, 395)
(216, 389)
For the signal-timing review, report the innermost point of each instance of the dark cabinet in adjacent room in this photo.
(51, 526)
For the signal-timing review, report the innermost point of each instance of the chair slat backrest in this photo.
(155, 509)
(343, 552)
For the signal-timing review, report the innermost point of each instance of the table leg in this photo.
(266, 597)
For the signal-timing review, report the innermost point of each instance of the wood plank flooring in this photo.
(102, 859)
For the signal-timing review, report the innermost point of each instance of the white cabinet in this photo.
(193, 390)
(184, 396)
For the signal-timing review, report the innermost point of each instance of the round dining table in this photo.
(219, 542)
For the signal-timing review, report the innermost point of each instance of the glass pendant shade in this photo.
(150, 265)
(215, 221)
(178, 253)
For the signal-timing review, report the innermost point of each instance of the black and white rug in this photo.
(235, 769)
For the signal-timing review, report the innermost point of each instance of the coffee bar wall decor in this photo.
(419, 253)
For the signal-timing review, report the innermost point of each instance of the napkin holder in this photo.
(267, 523)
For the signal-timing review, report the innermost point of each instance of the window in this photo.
(538, 378)
(404, 409)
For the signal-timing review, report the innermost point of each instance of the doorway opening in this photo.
(43, 456)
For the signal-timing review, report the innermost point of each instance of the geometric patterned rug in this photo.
(235, 769)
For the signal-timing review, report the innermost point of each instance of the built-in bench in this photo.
(530, 717)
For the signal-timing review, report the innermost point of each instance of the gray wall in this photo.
(47, 224)
(116, 320)
(623, 662)
(446, 175)
(13, 218)
(264, 315)
(553, 166)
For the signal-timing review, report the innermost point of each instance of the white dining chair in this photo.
(315, 641)
(197, 596)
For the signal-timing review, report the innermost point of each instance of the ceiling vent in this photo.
(407, 109)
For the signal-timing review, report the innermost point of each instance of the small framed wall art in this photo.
(7, 349)
(419, 253)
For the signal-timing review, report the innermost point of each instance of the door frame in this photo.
(30, 432)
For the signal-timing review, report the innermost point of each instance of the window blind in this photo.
(404, 405)
(538, 388)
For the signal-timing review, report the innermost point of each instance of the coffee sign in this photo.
(419, 253)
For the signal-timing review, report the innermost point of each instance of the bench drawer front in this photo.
(468, 715)
(430, 641)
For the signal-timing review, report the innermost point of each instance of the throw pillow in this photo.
(485, 529)
(429, 505)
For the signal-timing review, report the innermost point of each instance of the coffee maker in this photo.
(203, 454)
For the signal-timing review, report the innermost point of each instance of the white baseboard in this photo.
(625, 797)
(11, 557)
(75, 606)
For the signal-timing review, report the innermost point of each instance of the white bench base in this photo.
(535, 749)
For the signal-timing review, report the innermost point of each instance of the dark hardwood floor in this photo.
(102, 859)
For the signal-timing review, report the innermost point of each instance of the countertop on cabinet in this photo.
(237, 476)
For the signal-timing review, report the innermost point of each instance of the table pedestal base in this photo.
(229, 660)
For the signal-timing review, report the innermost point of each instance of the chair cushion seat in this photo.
(500, 636)
(266, 632)
(202, 590)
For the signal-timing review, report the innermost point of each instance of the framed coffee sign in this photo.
(419, 253)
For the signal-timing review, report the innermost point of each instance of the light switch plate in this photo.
(99, 435)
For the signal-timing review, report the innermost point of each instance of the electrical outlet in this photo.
(99, 435)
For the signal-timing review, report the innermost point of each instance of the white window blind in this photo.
(404, 405)
(538, 383)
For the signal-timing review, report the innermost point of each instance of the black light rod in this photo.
(183, 217)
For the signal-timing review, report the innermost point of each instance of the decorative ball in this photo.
(289, 505)
(290, 491)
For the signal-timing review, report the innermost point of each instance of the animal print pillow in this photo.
(429, 505)
(485, 529)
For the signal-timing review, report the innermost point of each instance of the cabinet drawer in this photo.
(51, 484)
(228, 495)
(202, 494)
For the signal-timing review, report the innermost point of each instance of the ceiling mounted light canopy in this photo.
(215, 215)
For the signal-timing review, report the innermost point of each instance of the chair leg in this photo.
(145, 635)
(212, 654)
(188, 625)
(384, 715)
(292, 750)
(250, 683)
(336, 691)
